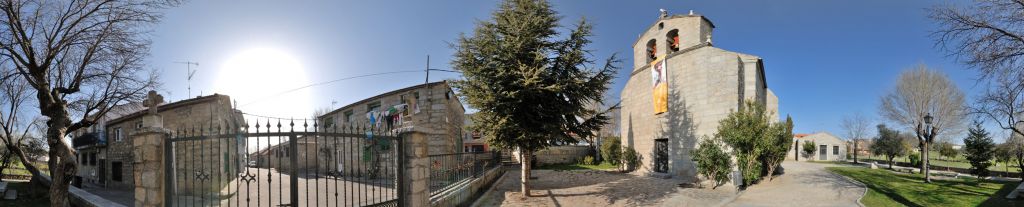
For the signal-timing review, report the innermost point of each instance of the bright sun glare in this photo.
(257, 80)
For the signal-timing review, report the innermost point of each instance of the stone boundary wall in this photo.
(466, 193)
(561, 154)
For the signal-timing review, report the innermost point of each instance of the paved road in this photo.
(313, 192)
(803, 184)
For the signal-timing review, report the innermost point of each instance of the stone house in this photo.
(105, 149)
(433, 107)
(704, 84)
(473, 141)
(828, 147)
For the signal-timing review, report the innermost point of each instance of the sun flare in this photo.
(262, 81)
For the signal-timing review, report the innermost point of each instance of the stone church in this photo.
(668, 109)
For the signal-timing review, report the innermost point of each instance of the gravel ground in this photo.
(599, 188)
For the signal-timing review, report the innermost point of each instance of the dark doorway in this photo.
(115, 171)
(661, 155)
(102, 169)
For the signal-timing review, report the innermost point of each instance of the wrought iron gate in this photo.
(282, 163)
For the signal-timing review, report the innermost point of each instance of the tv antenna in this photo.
(190, 73)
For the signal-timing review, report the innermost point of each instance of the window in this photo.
(117, 135)
(673, 40)
(835, 150)
(373, 106)
(661, 25)
(349, 116)
(138, 125)
(92, 159)
(328, 121)
(652, 50)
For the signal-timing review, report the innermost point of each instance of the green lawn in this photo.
(958, 162)
(886, 188)
(602, 166)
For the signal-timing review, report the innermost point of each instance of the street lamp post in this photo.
(928, 136)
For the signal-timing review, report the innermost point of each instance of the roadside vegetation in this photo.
(886, 188)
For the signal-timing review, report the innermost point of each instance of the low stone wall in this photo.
(81, 198)
(561, 154)
(465, 193)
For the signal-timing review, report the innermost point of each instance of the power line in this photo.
(329, 82)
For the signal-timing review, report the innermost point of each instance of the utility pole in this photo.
(189, 74)
(426, 84)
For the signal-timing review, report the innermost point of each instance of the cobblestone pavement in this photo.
(803, 184)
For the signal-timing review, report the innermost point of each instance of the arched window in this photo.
(652, 50)
(673, 40)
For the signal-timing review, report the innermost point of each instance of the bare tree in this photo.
(919, 92)
(987, 36)
(856, 127)
(80, 58)
(14, 127)
(1003, 102)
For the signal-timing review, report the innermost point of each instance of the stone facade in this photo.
(441, 112)
(828, 147)
(110, 163)
(705, 84)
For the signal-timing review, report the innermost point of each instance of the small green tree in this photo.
(753, 137)
(888, 144)
(775, 147)
(978, 149)
(712, 162)
(611, 150)
(1002, 154)
(809, 148)
(947, 151)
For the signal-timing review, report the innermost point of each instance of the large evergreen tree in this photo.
(531, 88)
(979, 149)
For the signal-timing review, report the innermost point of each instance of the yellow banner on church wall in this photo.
(659, 80)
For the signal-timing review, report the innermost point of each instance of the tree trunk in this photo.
(854, 151)
(526, 162)
(890, 161)
(62, 162)
(924, 162)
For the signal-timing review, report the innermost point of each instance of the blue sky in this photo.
(824, 59)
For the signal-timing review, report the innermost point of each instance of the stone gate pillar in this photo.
(414, 174)
(148, 156)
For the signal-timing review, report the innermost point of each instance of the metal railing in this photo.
(282, 163)
(450, 170)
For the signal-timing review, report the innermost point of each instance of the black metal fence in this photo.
(450, 170)
(282, 163)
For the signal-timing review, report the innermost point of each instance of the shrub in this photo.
(712, 161)
(588, 160)
(611, 150)
(630, 159)
(915, 159)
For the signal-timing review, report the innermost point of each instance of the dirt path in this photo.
(803, 184)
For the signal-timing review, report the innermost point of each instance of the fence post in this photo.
(414, 174)
(148, 155)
